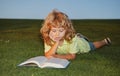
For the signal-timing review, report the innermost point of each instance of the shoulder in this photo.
(75, 38)
(78, 39)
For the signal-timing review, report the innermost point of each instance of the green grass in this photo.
(20, 40)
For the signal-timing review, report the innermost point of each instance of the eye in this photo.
(61, 30)
(53, 30)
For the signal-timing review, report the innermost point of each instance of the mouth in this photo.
(57, 38)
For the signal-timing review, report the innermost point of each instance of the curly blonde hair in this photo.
(57, 19)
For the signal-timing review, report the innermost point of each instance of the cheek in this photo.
(51, 34)
(62, 34)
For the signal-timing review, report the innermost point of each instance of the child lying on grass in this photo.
(61, 40)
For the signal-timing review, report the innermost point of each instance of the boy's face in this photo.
(56, 34)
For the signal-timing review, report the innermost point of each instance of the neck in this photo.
(61, 42)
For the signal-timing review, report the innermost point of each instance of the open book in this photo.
(43, 62)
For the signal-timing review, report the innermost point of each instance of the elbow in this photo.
(73, 56)
(48, 55)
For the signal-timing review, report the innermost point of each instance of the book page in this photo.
(42, 62)
(39, 60)
(56, 63)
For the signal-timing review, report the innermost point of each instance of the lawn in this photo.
(21, 40)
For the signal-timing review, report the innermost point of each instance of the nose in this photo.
(57, 33)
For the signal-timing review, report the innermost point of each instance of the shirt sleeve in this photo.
(46, 47)
(73, 48)
(79, 45)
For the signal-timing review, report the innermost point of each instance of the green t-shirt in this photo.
(78, 45)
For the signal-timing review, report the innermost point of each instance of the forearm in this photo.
(52, 50)
(66, 56)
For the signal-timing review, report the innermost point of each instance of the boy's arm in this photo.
(65, 56)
